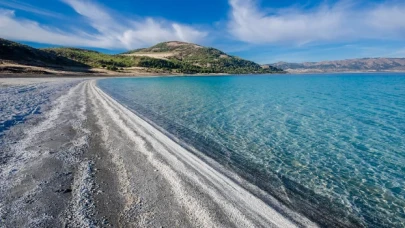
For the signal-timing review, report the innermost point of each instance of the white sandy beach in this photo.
(88, 161)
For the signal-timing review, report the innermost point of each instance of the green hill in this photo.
(91, 58)
(111, 62)
(207, 60)
(168, 57)
(27, 55)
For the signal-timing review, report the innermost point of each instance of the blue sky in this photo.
(264, 31)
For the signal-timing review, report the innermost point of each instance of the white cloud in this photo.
(29, 8)
(109, 32)
(388, 18)
(151, 31)
(27, 30)
(338, 22)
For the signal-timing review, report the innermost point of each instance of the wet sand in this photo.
(87, 161)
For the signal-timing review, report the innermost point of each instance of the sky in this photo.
(265, 31)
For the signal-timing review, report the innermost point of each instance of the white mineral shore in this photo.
(88, 161)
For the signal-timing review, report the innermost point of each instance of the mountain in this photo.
(349, 65)
(199, 58)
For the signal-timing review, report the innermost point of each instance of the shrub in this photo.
(112, 68)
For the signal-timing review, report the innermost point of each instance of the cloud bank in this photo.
(108, 32)
(342, 21)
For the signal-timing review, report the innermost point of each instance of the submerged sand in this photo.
(87, 161)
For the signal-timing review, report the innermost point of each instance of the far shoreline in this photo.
(102, 76)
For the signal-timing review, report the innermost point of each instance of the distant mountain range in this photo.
(165, 58)
(349, 65)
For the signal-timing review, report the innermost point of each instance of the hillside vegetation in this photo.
(92, 58)
(203, 59)
(24, 54)
(117, 62)
(168, 57)
(349, 65)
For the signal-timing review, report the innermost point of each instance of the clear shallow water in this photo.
(331, 147)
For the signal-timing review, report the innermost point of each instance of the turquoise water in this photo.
(329, 146)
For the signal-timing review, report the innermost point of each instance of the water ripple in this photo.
(330, 147)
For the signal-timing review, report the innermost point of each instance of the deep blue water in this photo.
(329, 146)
